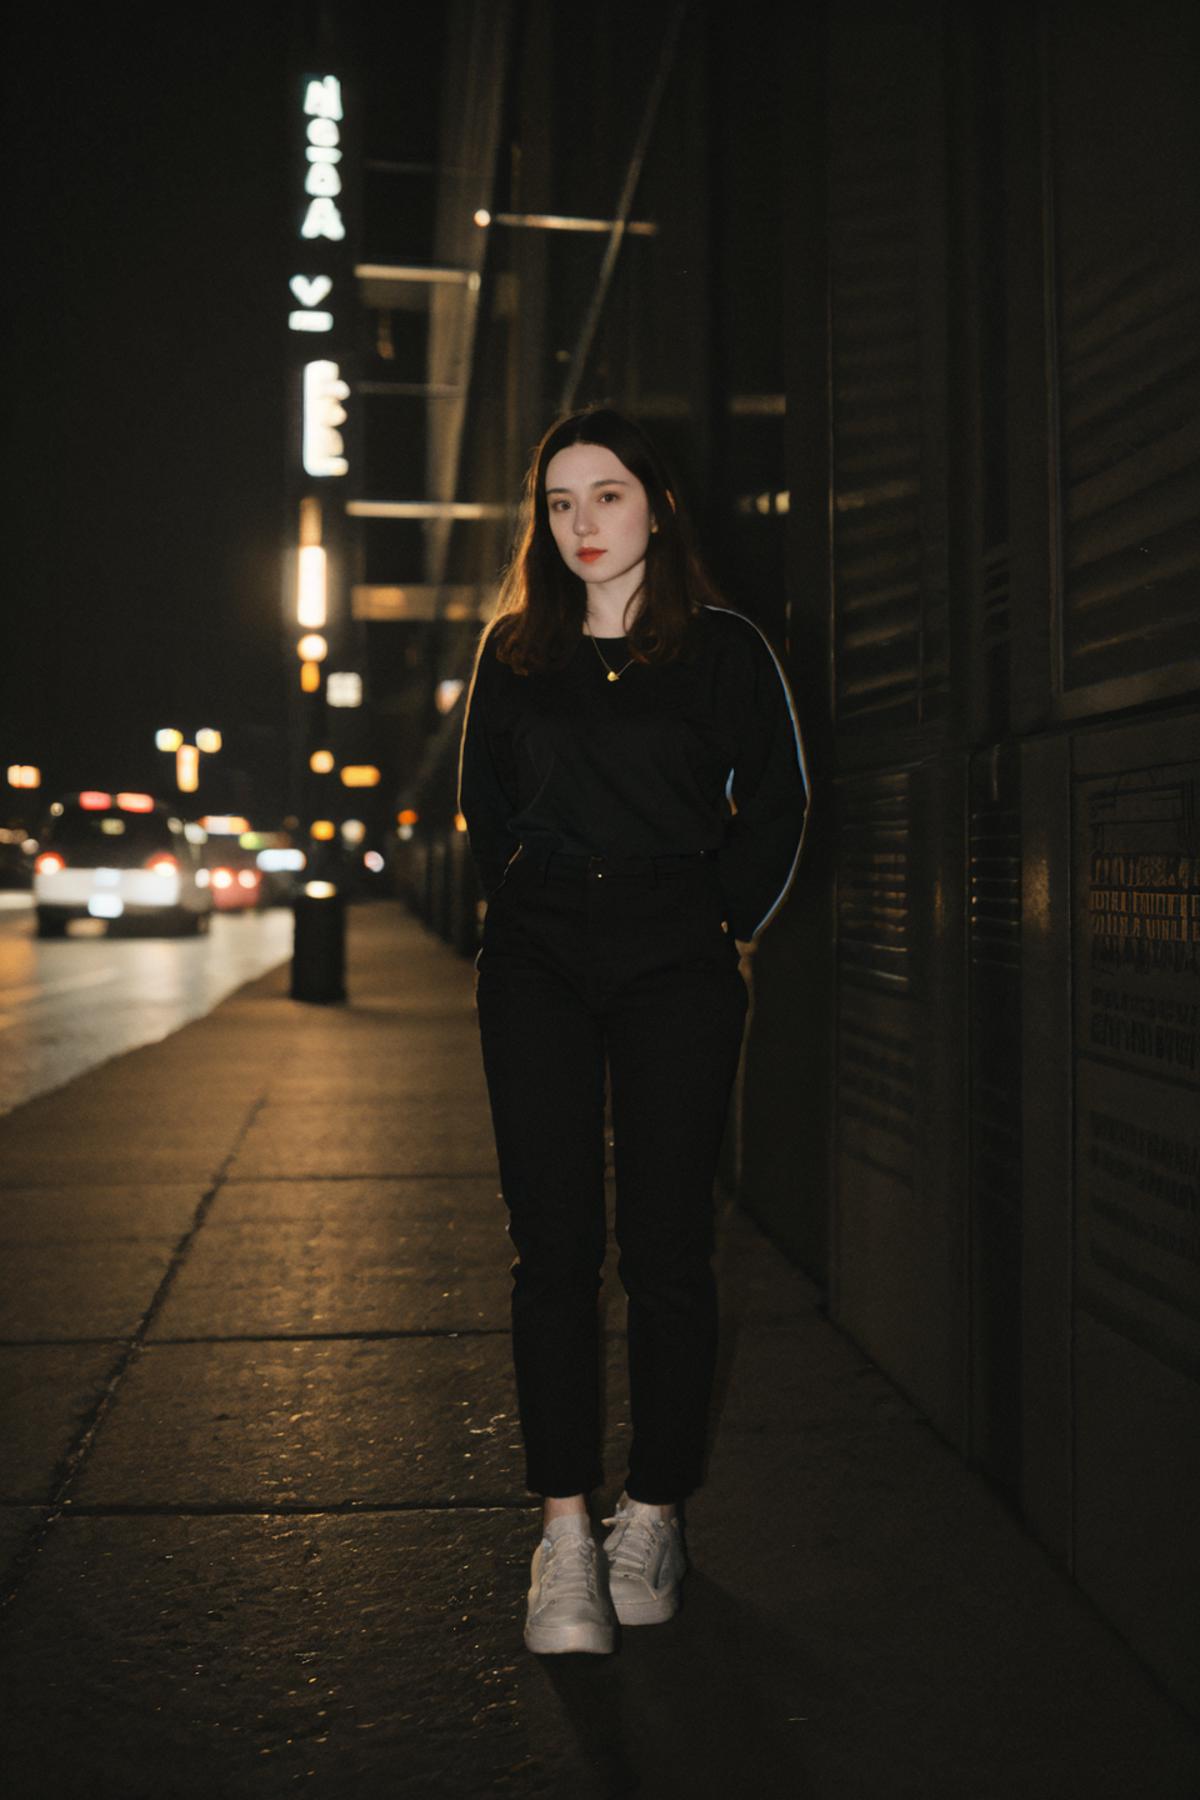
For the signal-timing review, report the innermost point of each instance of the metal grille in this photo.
(1130, 421)
(874, 947)
(890, 628)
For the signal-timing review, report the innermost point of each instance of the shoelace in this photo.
(572, 1573)
(637, 1543)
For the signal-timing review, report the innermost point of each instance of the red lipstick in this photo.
(589, 555)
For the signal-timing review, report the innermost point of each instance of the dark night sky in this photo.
(148, 436)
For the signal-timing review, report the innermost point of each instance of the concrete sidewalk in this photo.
(264, 1528)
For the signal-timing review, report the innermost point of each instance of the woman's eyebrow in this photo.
(608, 481)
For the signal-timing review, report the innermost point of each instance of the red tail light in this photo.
(247, 878)
(222, 878)
(49, 863)
(136, 803)
(161, 863)
(94, 801)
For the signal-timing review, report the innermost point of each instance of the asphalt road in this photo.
(67, 1005)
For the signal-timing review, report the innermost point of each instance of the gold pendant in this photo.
(613, 676)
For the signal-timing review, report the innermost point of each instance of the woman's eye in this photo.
(610, 496)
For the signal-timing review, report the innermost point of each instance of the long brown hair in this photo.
(543, 603)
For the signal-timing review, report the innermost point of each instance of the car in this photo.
(118, 856)
(235, 879)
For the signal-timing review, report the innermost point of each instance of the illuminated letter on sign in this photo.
(323, 99)
(323, 220)
(324, 391)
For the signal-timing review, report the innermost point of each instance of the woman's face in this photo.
(599, 514)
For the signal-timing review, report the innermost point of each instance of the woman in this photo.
(633, 783)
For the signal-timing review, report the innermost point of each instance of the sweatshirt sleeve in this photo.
(484, 798)
(768, 787)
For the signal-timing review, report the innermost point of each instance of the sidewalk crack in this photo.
(75, 1459)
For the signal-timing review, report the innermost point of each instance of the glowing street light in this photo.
(311, 596)
(321, 762)
(208, 740)
(312, 648)
(168, 740)
(187, 768)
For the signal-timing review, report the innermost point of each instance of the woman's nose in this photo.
(584, 523)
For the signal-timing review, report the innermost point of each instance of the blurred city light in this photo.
(312, 648)
(135, 803)
(408, 816)
(168, 739)
(460, 824)
(187, 768)
(324, 390)
(208, 740)
(92, 800)
(344, 688)
(446, 695)
(310, 677)
(320, 890)
(353, 831)
(374, 862)
(311, 595)
(276, 862)
(360, 775)
(324, 830)
(225, 824)
(321, 762)
(24, 775)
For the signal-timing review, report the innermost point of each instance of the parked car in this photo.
(235, 879)
(118, 856)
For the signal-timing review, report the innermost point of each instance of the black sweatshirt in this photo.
(645, 766)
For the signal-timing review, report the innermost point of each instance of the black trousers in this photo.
(588, 961)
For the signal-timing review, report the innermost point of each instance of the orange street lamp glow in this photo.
(168, 740)
(312, 648)
(24, 775)
(321, 762)
(187, 768)
(311, 587)
(310, 677)
(323, 830)
(360, 775)
(408, 817)
(208, 740)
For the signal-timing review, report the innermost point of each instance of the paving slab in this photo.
(264, 1656)
(384, 1139)
(339, 1275)
(46, 1393)
(19, 1525)
(90, 1213)
(87, 1289)
(325, 1423)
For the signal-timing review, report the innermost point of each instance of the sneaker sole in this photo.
(553, 1640)
(647, 1612)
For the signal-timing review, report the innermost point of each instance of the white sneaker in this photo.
(569, 1608)
(646, 1562)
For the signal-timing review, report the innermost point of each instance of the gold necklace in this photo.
(613, 674)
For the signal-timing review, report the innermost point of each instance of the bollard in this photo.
(319, 943)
